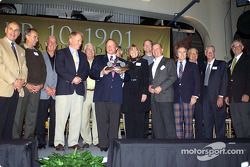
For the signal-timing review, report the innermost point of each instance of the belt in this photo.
(90, 89)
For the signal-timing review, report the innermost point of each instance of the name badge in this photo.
(214, 68)
(36, 54)
(137, 64)
(162, 67)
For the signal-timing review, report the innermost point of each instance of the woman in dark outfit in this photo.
(135, 94)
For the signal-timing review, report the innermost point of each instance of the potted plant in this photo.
(75, 159)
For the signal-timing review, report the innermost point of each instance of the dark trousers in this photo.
(27, 110)
(163, 120)
(42, 117)
(146, 116)
(7, 114)
(108, 118)
(134, 123)
(240, 113)
(199, 121)
(213, 116)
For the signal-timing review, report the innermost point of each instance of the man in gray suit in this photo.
(161, 79)
(47, 96)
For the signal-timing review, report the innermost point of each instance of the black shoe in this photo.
(40, 146)
(85, 145)
(104, 149)
(75, 147)
(59, 147)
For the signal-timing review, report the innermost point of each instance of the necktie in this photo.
(14, 49)
(207, 73)
(113, 72)
(233, 64)
(111, 58)
(180, 70)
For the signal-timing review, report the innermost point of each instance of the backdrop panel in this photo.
(95, 32)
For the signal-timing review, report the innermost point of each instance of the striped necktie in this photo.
(180, 70)
(233, 64)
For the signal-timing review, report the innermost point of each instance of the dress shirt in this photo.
(90, 82)
(183, 66)
(211, 64)
(75, 56)
(113, 57)
(237, 58)
(155, 65)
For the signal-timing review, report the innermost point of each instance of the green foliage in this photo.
(75, 159)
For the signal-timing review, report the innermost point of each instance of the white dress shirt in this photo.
(155, 65)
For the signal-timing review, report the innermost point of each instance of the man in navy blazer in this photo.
(238, 91)
(72, 68)
(108, 95)
(213, 93)
(186, 93)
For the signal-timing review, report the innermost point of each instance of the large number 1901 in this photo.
(98, 34)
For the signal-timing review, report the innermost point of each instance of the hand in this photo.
(158, 90)
(151, 89)
(53, 91)
(227, 100)
(143, 98)
(193, 100)
(18, 84)
(245, 98)
(105, 71)
(76, 80)
(37, 88)
(120, 71)
(220, 102)
(29, 87)
(49, 91)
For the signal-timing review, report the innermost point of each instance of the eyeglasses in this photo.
(236, 46)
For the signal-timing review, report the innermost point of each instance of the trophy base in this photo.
(117, 68)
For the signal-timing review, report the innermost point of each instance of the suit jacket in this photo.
(66, 71)
(165, 76)
(188, 85)
(10, 68)
(107, 88)
(239, 81)
(51, 77)
(136, 86)
(217, 83)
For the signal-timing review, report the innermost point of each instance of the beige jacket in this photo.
(10, 69)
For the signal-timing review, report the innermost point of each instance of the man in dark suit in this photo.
(213, 93)
(108, 95)
(72, 69)
(13, 75)
(198, 113)
(239, 90)
(186, 93)
(162, 75)
(148, 55)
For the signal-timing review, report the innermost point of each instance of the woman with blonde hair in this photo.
(135, 93)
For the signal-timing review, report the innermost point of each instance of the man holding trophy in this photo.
(109, 72)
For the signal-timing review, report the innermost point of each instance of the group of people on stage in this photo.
(71, 85)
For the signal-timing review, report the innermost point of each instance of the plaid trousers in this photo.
(183, 120)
